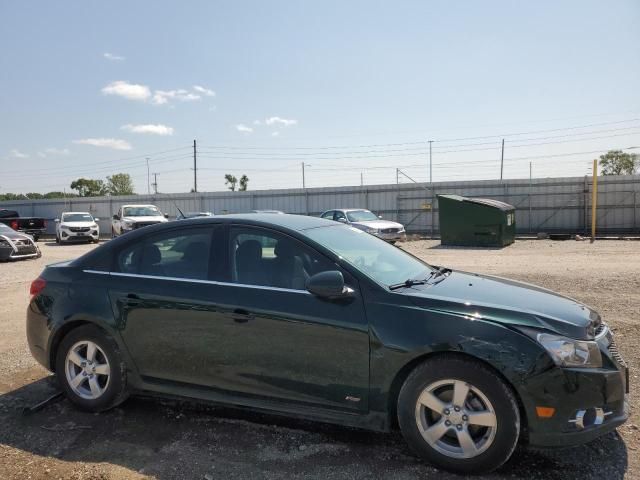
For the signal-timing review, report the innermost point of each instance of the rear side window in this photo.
(177, 254)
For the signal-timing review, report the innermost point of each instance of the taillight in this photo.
(14, 224)
(37, 286)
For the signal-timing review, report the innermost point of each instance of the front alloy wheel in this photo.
(455, 418)
(459, 414)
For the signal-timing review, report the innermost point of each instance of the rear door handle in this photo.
(241, 316)
(133, 300)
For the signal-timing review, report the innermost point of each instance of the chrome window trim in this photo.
(194, 280)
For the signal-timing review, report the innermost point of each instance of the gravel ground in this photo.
(152, 439)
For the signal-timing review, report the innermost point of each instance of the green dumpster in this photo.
(476, 222)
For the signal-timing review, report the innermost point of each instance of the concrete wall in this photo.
(542, 205)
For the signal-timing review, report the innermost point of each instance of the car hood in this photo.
(13, 235)
(506, 301)
(378, 224)
(145, 219)
(77, 224)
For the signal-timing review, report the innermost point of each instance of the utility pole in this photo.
(155, 183)
(361, 179)
(148, 187)
(195, 169)
(530, 186)
(594, 201)
(303, 182)
(397, 175)
(430, 164)
(502, 160)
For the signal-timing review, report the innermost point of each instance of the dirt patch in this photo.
(152, 439)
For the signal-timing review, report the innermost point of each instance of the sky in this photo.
(355, 90)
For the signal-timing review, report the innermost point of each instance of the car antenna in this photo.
(178, 208)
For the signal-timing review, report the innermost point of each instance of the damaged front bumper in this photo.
(588, 402)
(16, 249)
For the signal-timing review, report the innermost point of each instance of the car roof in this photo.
(76, 213)
(139, 205)
(286, 220)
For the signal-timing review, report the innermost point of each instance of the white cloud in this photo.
(286, 122)
(15, 153)
(113, 143)
(143, 93)
(160, 97)
(204, 91)
(53, 151)
(243, 128)
(130, 91)
(149, 128)
(113, 57)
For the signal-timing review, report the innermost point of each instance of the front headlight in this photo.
(127, 224)
(567, 352)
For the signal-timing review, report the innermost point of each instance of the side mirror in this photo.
(380, 217)
(57, 220)
(328, 285)
(96, 219)
(343, 220)
(166, 215)
(116, 217)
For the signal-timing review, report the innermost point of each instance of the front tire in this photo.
(90, 369)
(459, 415)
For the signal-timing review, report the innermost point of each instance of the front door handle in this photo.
(241, 316)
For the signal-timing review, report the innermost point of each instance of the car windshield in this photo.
(77, 217)
(141, 212)
(361, 216)
(375, 258)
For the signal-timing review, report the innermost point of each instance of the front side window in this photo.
(328, 215)
(141, 212)
(77, 217)
(179, 254)
(339, 215)
(375, 258)
(361, 216)
(271, 259)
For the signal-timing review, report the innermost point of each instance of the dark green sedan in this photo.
(310, 318)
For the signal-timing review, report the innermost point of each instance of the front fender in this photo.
(403, 335)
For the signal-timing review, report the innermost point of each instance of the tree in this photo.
(244, 183)
(617, 162)
(120, 184)
(34, 196)
(88, 187)
(231, 181)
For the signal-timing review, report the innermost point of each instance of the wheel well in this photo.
(59, 335)
(406, 370)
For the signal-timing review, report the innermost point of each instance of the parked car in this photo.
(369, 222)
(299, 316)
(132, 217)
(33, 226)
(15, 245)
(186, 215)
(279, 212)
(77, 226)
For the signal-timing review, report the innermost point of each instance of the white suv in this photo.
(77, 226)
(130, 217)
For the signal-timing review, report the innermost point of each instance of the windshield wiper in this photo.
(410, 282)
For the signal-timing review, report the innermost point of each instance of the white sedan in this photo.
(77, 226)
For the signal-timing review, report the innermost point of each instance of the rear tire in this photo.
(459, 415)
(90, 369)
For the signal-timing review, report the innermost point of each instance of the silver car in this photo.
(369, 222)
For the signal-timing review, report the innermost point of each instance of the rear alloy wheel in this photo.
(459, 415)
(90, 369)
